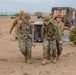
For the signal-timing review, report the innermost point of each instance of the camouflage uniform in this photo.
(49, 34)
(72, 35)
(49, 48)
(15, 22)
(59, 46)
(61, 28)
(24, 34)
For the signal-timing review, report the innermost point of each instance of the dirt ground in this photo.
(11, 59)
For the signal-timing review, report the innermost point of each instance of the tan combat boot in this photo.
(58, 58)
(25, 58)
(54, 60)
(51, 59)
(44, 61)
(48, 61)
(29, 61)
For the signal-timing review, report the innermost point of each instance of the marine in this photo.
(72, 35)
(49, 33)
(15, 22)
(57, 20)
(24, 34)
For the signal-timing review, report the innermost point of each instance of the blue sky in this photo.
(34, 5)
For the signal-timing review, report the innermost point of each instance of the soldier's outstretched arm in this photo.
(67, 28)
(13, 25)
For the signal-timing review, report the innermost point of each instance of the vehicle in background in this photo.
(13, 17)
(69, 14)
(41, 15)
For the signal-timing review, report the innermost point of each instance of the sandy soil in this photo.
(11, 59)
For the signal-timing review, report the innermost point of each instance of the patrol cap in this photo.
(57, 16)
(26, 16)
(46, 20)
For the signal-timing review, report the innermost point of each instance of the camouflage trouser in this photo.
(25, 47)
(59, 48)
(49, 49)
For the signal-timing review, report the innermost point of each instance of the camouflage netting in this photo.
(72, 35)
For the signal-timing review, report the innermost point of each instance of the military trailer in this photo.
(37, 31)
(69, 14)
